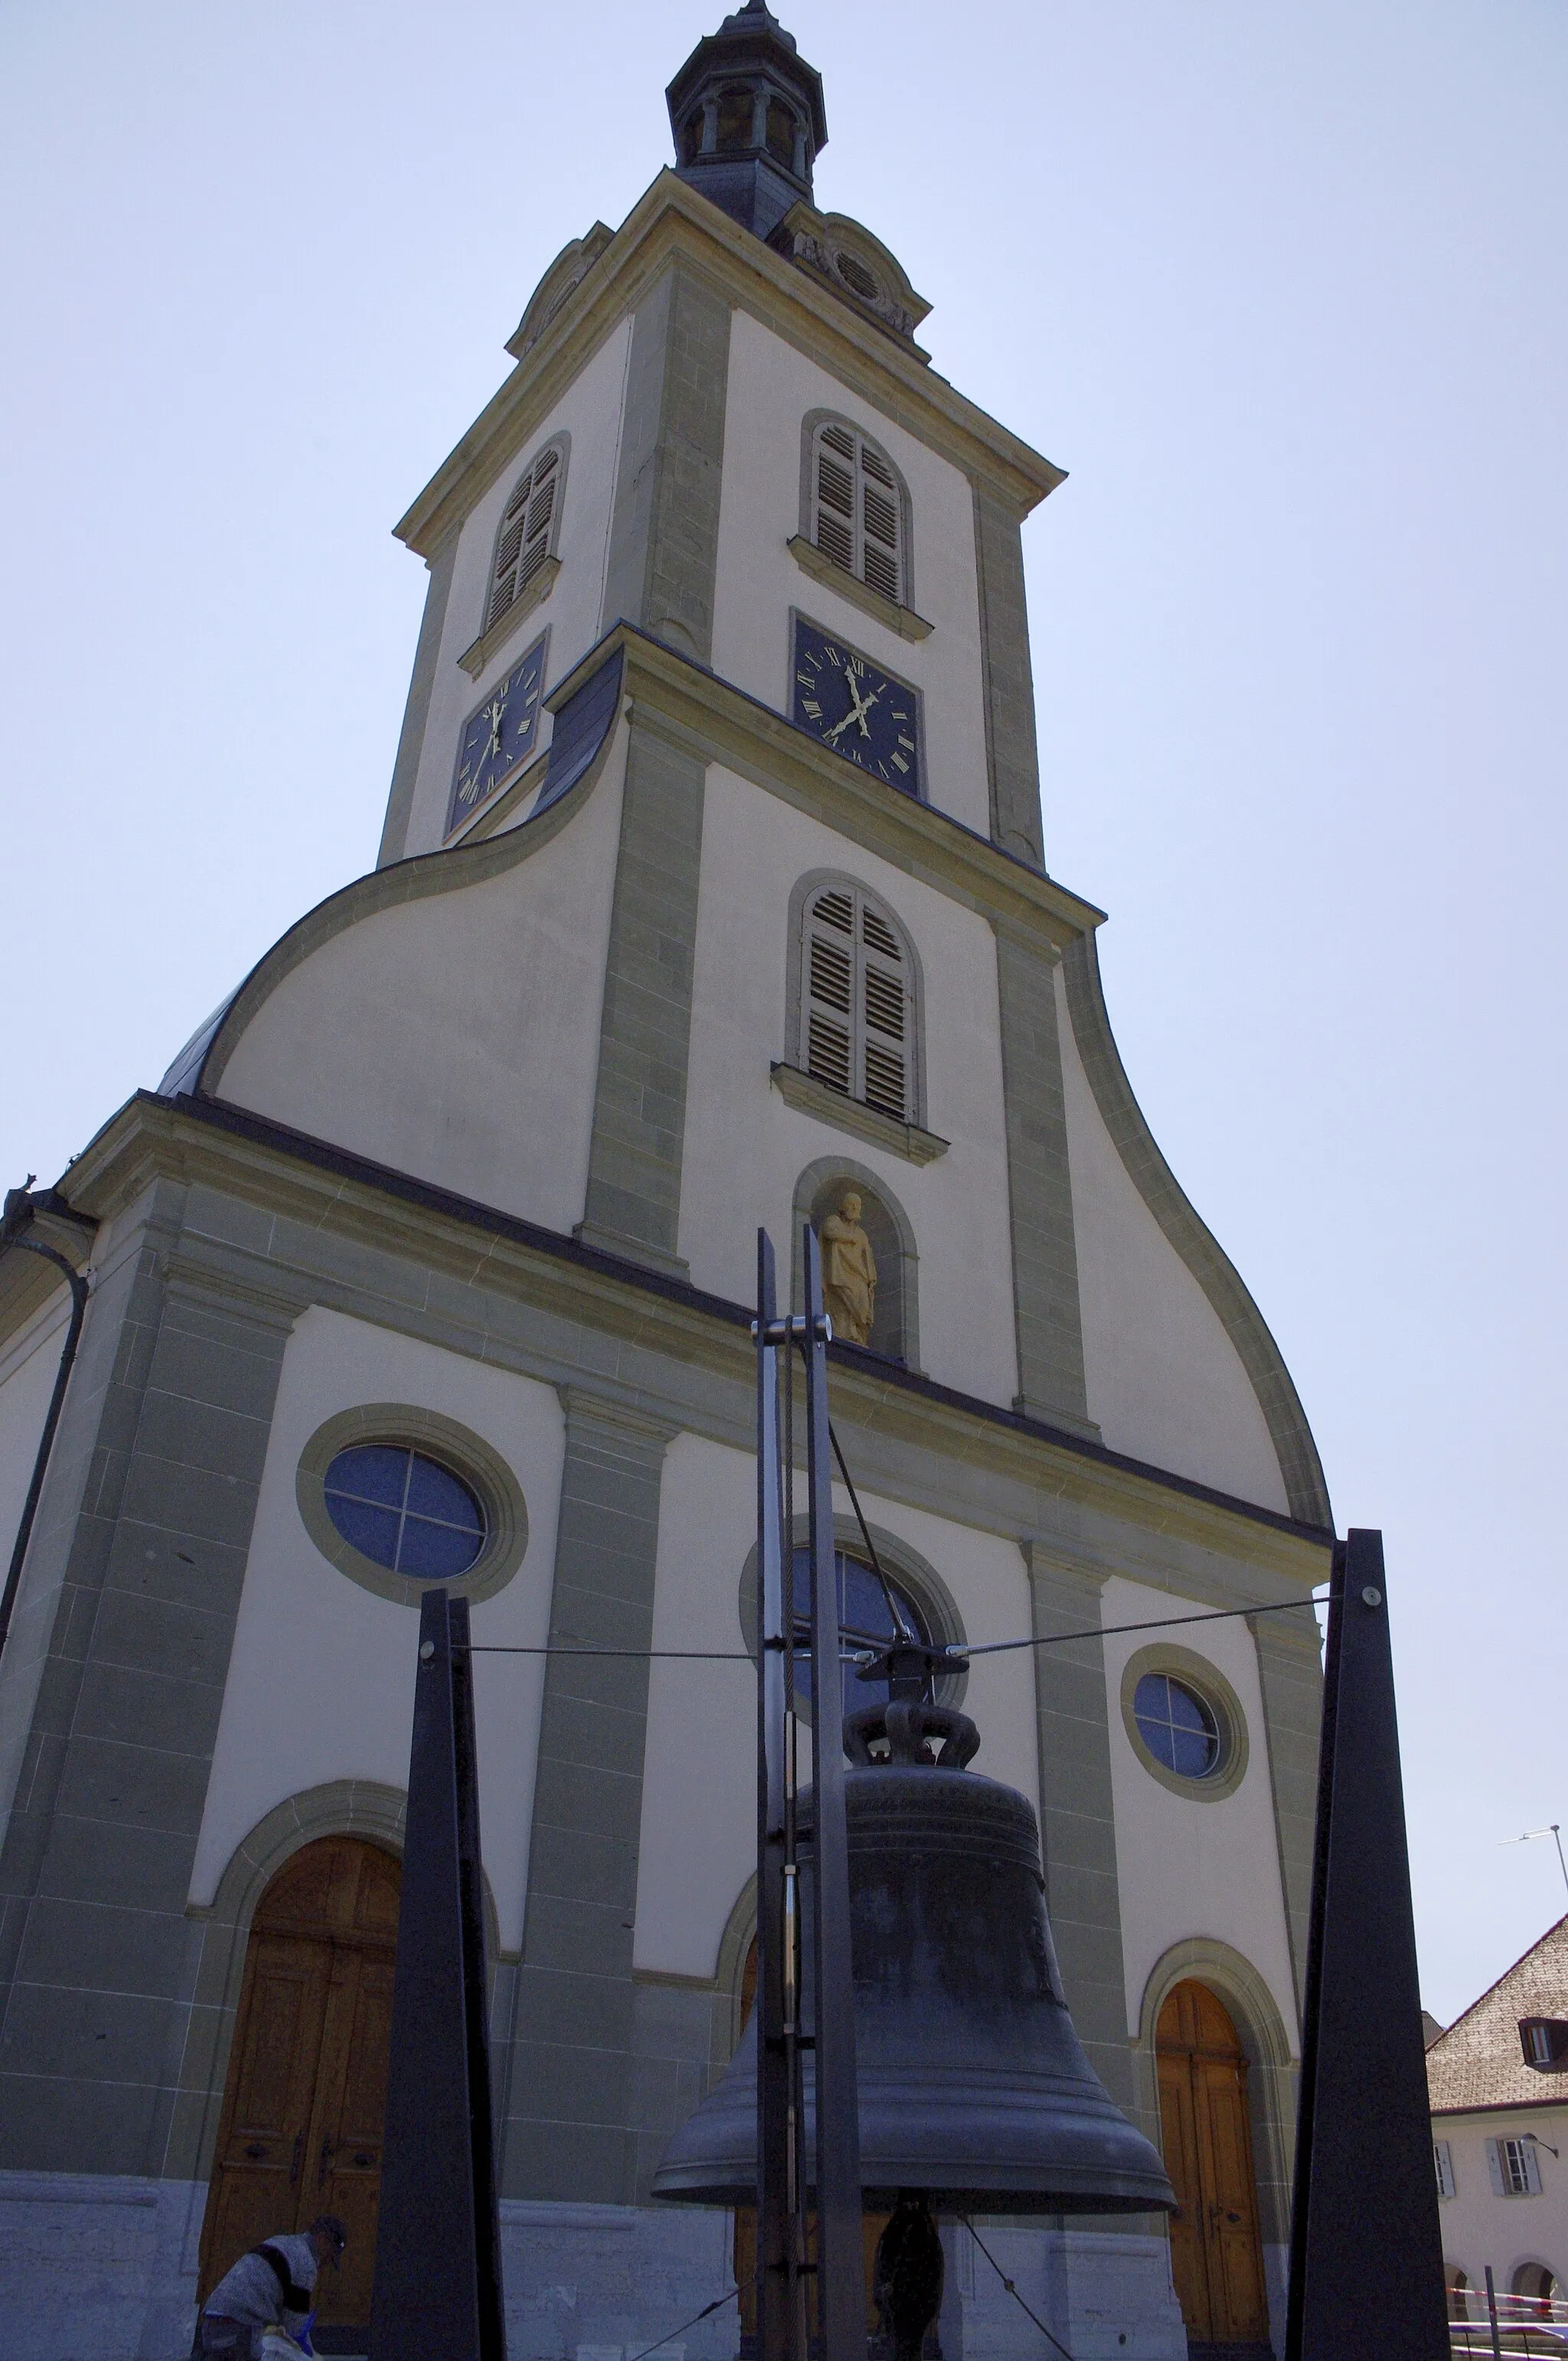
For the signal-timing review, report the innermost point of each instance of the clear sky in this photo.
(1281, 285)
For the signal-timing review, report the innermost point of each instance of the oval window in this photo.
(870, 1614)
(404, 1510)
(1177, 1726)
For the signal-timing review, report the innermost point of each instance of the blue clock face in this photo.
(851, 705)
(497, 738)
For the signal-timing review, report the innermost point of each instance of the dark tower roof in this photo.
(747, 119)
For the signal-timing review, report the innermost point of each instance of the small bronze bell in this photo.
(973, 2086)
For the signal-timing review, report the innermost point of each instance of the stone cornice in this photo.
(711, 718)
(670, 220)
(910, 1433)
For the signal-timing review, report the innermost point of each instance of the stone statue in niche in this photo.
(848, 1271)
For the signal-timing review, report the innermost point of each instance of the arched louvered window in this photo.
(529, 527)
(857, 508)
(858, 1010)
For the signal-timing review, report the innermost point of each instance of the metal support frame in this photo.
(782, 2168)
(438, 2280)
(1366, 2248)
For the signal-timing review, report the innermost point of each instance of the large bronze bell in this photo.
(973, 2086)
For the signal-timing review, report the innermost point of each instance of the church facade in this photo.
(713, 893)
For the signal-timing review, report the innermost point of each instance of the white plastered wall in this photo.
(745, 1148)
(699, 1791)
(456, 1038)
(590, 411)
(321, 1677)
(1479, 2227)
(771, 388)
(1163, 1378)
(1189, 1868)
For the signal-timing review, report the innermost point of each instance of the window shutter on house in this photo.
(1514, 2169)
(525, 534)
(856, 516)
(1442, 2160)
(857, 1002)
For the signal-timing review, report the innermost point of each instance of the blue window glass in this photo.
(1176, 1727)
(866, 1619)
(407, 1512)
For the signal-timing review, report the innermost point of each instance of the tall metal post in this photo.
(438, 2288)
(778, 2126)
(840, 2280)
(1366, 2250)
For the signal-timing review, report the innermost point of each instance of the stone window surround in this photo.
(493, 637)
(1197, 1672)
(481, 1468)
(905, 1566)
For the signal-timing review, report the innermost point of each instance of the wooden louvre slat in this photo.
(828, 1055)
(884, 1002)
(885, 1081)
(832, 975)
(879, 934)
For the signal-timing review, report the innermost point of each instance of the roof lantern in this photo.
(747, 119)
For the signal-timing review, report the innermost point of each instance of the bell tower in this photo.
(712, 895)
(747, 115)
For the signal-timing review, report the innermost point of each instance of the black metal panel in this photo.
(437, 2248)
(841, 2282)
(775, 2209)
(1366, 2253)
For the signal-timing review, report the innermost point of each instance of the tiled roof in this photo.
(1478, 2062)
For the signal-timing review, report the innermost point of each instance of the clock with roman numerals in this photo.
(851, 705)
(499, 738)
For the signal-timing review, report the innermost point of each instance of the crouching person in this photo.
(273, 2287)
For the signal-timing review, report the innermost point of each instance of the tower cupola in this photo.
(747, 115)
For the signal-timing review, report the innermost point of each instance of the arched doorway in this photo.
(300, 2129)
(1536, 2283)
(1216, 2253)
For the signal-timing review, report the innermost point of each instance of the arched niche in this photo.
(895, 1332)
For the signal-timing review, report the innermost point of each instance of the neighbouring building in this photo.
(1499, 2081)
(713, 892)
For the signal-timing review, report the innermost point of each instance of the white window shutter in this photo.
(526, 534)
(1531, 2161)
(857, 515)
(857, 1016)
(1495, 2167)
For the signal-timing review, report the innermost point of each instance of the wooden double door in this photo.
(300, 2129)
(1216, 2253)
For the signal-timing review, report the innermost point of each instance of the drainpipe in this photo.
(21, 1207)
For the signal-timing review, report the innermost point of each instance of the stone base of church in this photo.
(97, 2267)
(94, 2268)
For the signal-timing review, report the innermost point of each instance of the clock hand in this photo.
(860, 708)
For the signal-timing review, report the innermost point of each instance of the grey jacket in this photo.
(251, 2291)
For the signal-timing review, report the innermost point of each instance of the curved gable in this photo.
(1180, 1364)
